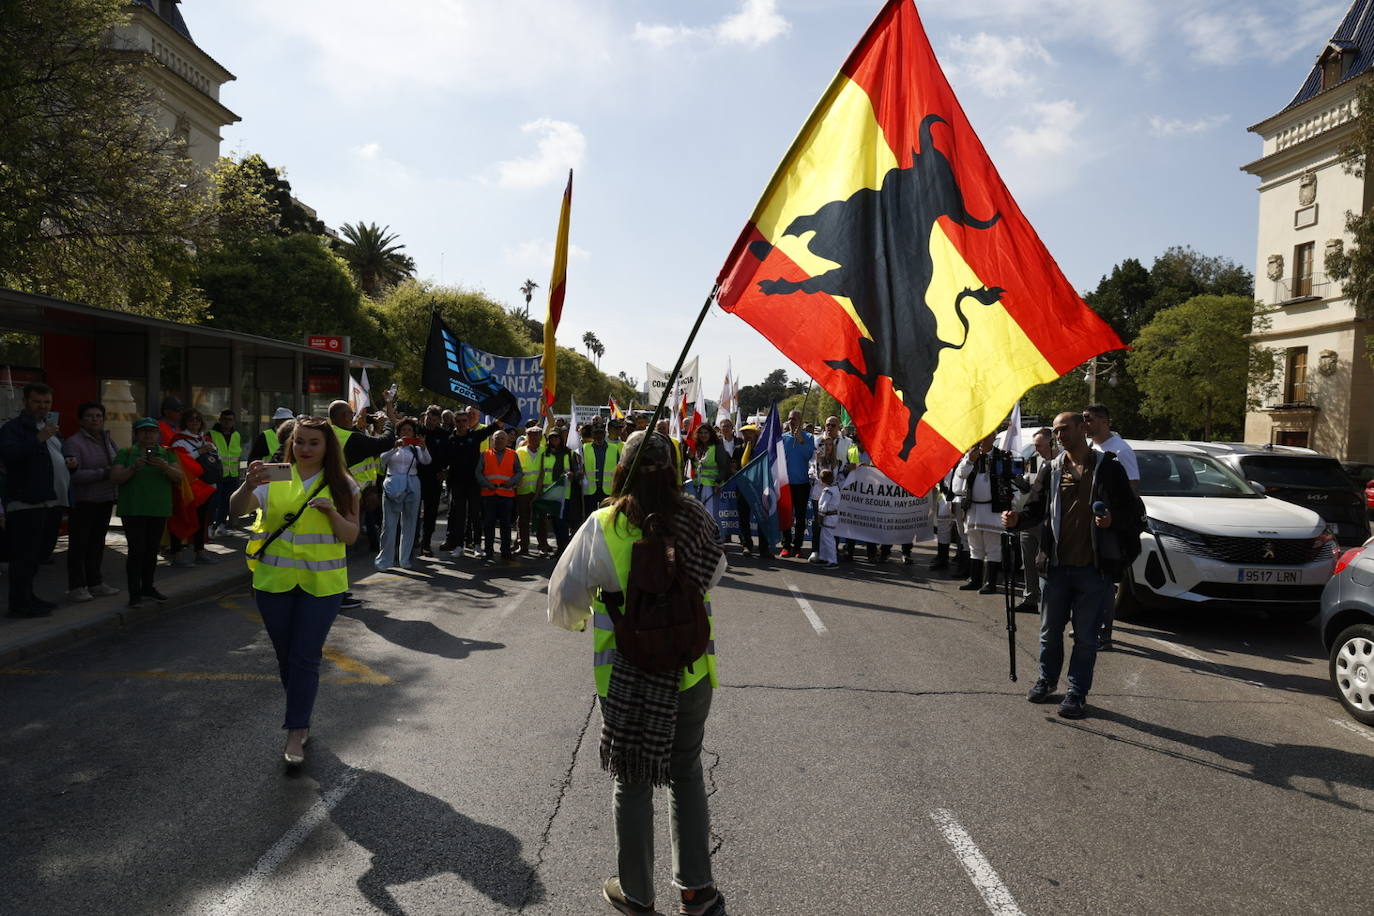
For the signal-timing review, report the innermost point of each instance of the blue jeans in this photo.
(1078, 592)
(400, 509)
(298, 623)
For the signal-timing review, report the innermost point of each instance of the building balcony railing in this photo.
(1316, 286)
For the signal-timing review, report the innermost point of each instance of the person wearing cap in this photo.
(267, 445)
(145, 504)
(530, 455)
(749, 435)
(229, 444)
(558, 478)
(615, 431)
(599, 458)
(169, 421)
(637, 706)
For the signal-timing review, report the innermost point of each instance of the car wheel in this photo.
(1128, 606)
(1352, 671)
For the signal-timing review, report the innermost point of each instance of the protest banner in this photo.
(875, 510)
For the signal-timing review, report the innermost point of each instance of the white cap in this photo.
(283, 413)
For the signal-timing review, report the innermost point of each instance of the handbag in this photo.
(290, 520)
(211, 468)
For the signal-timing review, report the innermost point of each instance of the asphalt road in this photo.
(871, 757)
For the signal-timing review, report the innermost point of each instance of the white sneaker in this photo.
(79, 594)
(103, 590)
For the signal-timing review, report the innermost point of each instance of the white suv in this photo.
(1212, 540)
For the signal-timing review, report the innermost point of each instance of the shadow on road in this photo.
(1277, 680)
(828, 595)
(417, 635)
(412, 836)
(1277, 765)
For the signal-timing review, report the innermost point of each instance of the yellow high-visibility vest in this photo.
(620, 539)
(365, 471)
(229, 451)
(308, 554)
(599, 479)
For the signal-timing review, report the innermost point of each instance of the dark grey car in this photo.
(1347, 628)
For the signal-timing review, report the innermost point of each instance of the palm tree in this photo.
(590, 342)
(528, 288)
(374, 257)
(599, 350)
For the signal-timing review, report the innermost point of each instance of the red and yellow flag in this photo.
(616, 412)
(557, 286)
(889, 261)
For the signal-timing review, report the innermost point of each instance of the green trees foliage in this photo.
(374, 256)
(1197, 369)
(96, 202)
(774, 387)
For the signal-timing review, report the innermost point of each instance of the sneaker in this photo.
(814, 558)
(205, 556)
(1072, 707)
(706, 901)
(784, 552)
(102, 590)
(613, 895)
(154, 594)
(455, 553)
(135, 601)
(79, 594)
(350, 602)
(831, 566)
(1104, 645)
(183, 558)
(1028, 606)
(488, 561)
(907, 559)
(1040, 693)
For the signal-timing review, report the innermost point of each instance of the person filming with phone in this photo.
(298, 554)
(36, 480)
(146, 474)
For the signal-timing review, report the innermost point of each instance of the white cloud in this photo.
(474, 47)
(561, 147)
(368, 151)
(537, 255)
(1052, 135)
(756, 23)
(1171, 127)
(996, 65)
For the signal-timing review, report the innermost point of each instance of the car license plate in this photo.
(1274, 576)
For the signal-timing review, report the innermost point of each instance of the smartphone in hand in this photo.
(278, 472)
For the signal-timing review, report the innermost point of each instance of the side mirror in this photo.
(1257, 487)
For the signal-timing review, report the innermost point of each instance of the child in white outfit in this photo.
(828, 508)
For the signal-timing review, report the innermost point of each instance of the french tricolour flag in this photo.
(763, 481)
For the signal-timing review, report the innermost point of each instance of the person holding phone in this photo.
(298, 555)
(147, 472)
(401, 494)
(36, 478)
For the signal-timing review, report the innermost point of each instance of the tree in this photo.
(288, 216)
(97, 203)
(760, 397)
(590, 342)
(1197, 369)
(528, 288)
(374, 257)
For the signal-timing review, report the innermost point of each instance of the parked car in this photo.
(1361, 474)
(1347, 630)
(1369, 498)
(1302, 477)
(1213, 541)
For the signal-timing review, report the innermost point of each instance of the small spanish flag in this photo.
(557, 287)
(616, 412)
(888, 260)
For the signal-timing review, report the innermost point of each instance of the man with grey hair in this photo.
(1030, 537)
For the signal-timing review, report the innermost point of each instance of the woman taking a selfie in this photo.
(298, 556)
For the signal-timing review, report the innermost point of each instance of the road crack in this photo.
(564, 785)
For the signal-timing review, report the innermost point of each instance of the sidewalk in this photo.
(24, 638)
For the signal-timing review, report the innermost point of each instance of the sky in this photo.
(1119, 126)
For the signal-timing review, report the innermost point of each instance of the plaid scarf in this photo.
(639, 713)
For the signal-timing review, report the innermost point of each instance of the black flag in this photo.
(453, 369)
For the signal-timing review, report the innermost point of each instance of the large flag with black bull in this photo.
(454, 369)
(887, 259)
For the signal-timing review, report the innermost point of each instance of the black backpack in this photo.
(660, 621)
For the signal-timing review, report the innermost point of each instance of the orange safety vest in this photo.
(498, 472)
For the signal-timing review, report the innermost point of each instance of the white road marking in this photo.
(238, 895)
(994, 893)
(1364, 733)
(1182, 650)
(808, 610)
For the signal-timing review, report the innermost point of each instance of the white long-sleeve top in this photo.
(587, 565)
(405, 460)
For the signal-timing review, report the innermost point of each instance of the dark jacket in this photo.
(28, 466)
(436, 442)
(1114, 548)
(463, 452)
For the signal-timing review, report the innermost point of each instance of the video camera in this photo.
(1007, 474)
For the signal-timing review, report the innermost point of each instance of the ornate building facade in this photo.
(186, 81)
(1324, 394)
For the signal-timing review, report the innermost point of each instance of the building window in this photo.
(1331, 70)
(1302, 269)
(1295, 382)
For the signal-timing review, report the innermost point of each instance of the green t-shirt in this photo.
(148, 492)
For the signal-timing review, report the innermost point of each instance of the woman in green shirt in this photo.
(145, 503)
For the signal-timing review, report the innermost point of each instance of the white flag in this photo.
(367, 390)
(1011, 437)
(574, 437)
(357, 397)
(726, 407)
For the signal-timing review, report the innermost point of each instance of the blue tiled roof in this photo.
(1355, 34)
(174, 19)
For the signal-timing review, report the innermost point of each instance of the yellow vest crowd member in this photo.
(300, 568)
(599, 458)
(230, 449)
(500, 475)
(634, 703)
(530, 455)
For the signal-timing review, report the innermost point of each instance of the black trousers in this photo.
(464, 508)
(746, 529)
(144, 534)
(29, 532)
(430, 491)
(87, 525)
(498, 510)
(801, 495)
